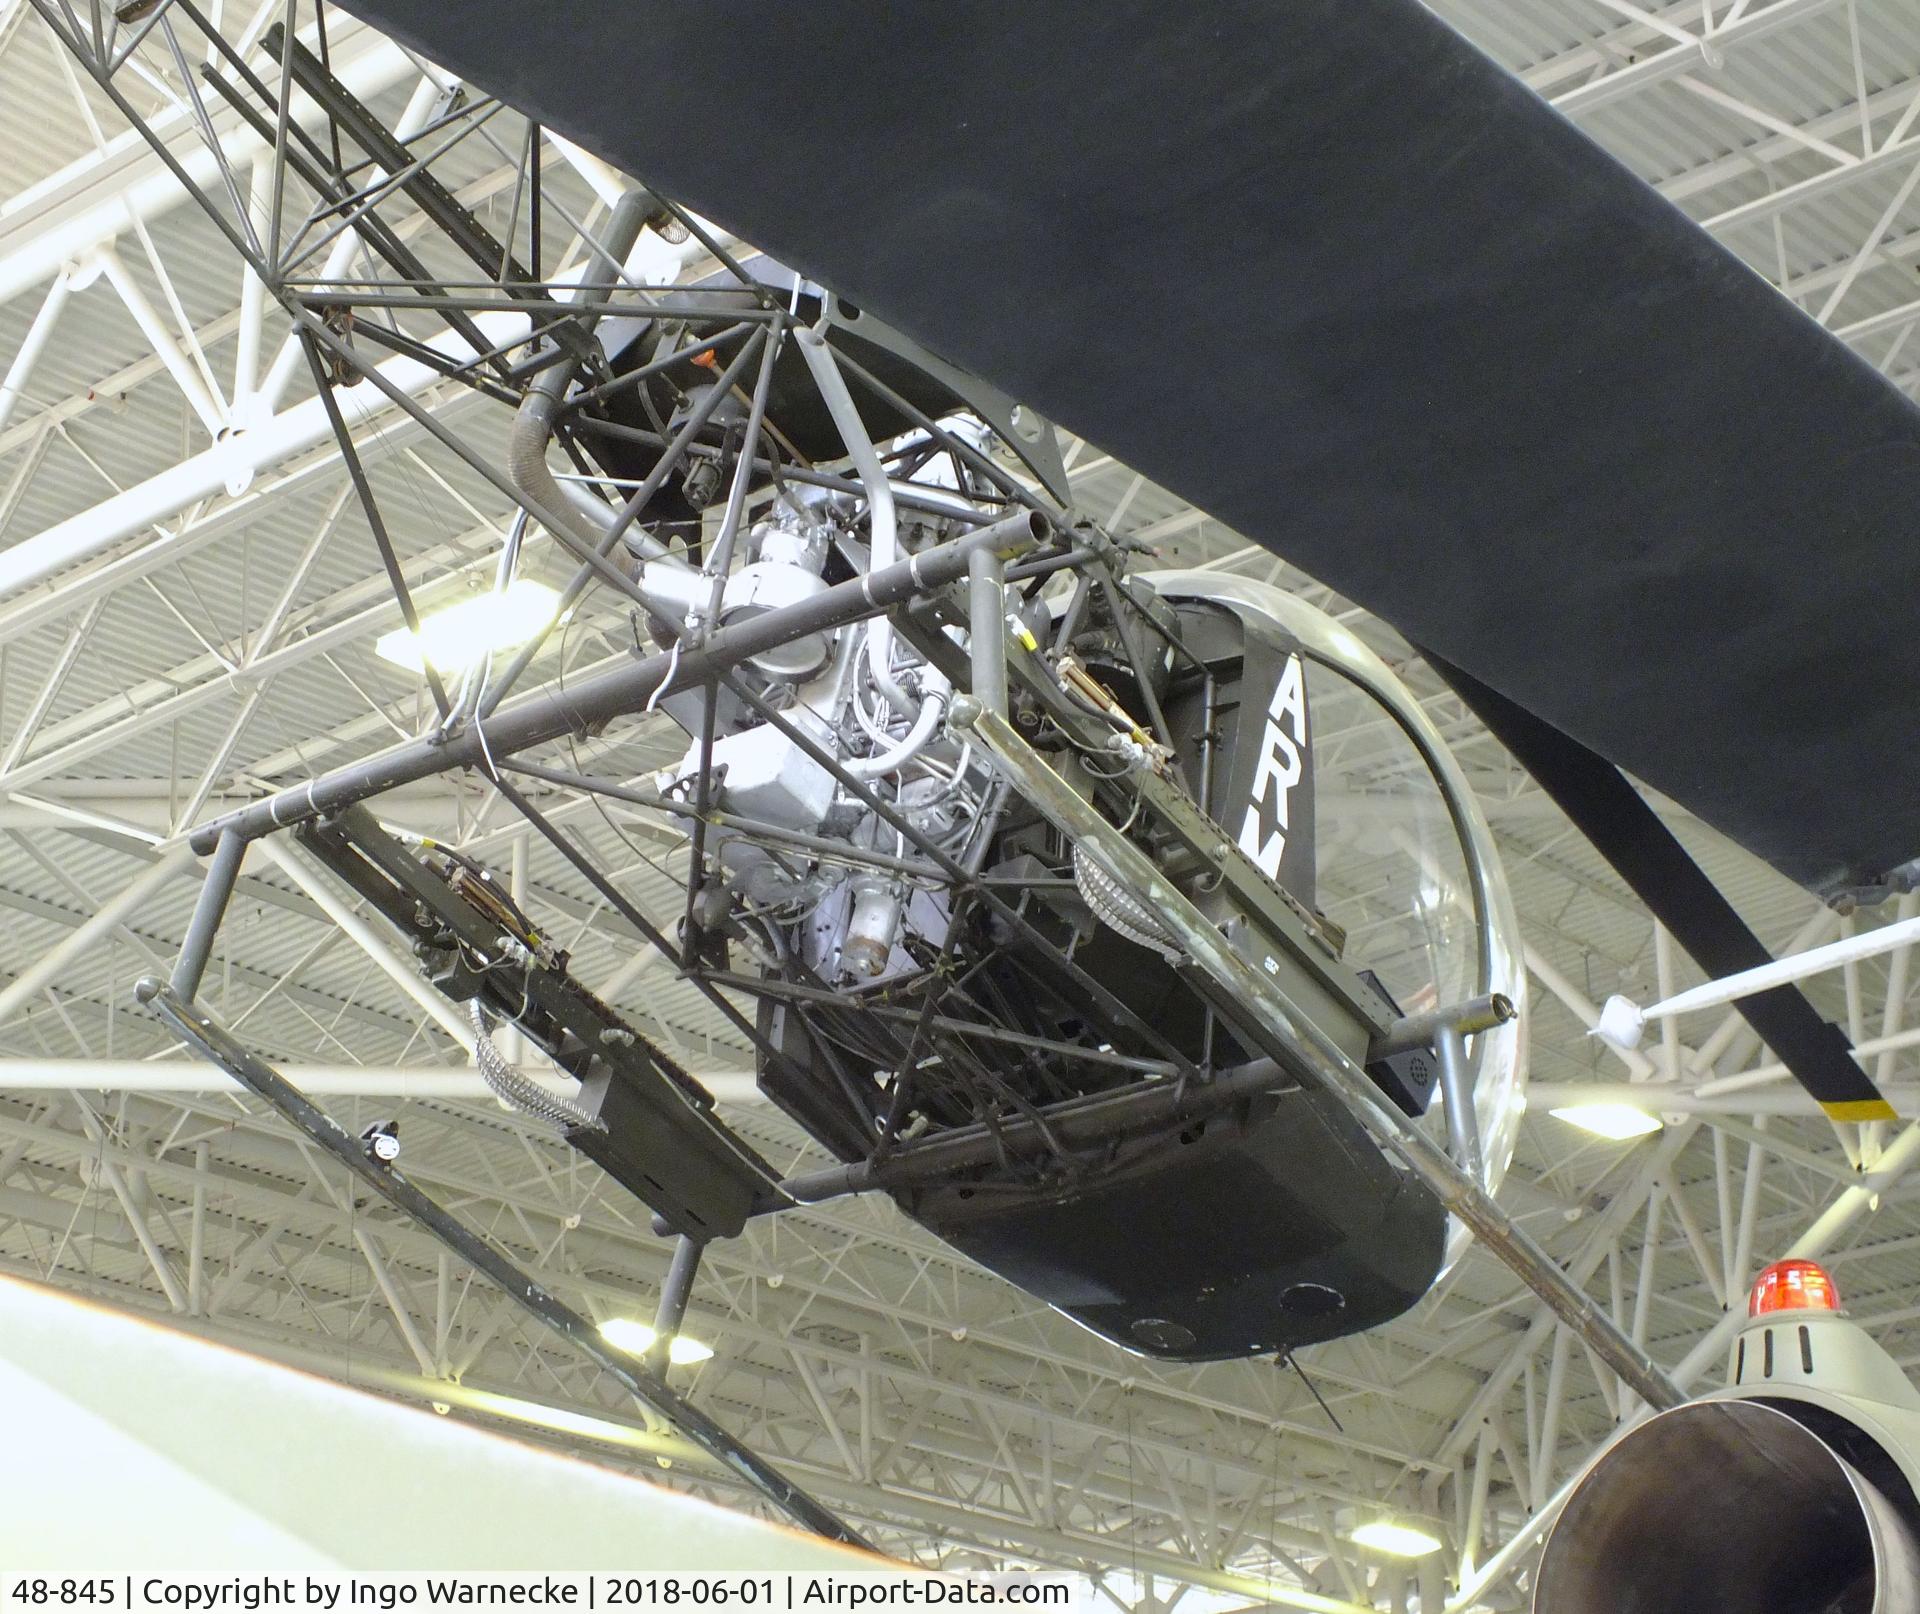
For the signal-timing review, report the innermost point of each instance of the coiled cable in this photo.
(518, 1091)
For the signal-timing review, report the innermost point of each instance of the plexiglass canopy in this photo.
(1406, 863)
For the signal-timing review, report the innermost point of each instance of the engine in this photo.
(1791, 1490)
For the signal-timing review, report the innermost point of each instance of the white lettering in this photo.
(1278, 771)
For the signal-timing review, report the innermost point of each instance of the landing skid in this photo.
(206, 1036)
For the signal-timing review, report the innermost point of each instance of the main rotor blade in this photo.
(1329, 273)
(1630, 835)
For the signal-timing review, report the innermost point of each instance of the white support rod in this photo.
(1654, 66)
(197, 1233)
(606, 181)
(32, 345)
(1733, 1027)
(253, 296)
(1649, 1264)
(1621, 1014)
(1749, 1209)
(143, 1235)
(1658, 1099)
(94, 199)
(339, 259)
(1550, 1413)
(1777, 1071)
(1696, 1239)
(111, 1174)
(354, 614)
(77, 640)
(1670, 1029)
(1896, 995)
(25, 1075)
(401, 971)
(1600, 1235)
(1476, 1524)
(206, 474)
(1578, 1005)
(75, 587)
(25, 986)
(426, 811)
(318, 1081)
(403, 1319)
(166, 346)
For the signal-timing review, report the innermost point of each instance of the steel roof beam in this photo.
(93, 200)
(403, 1244)
(1755, 23)
(323, 1081)
(227, 465)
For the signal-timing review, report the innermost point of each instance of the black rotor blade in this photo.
(1605, 807)
(1323, 269)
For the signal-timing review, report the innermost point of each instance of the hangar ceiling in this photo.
(194, 651)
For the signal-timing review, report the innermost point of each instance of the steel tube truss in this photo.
(536, 719)
(1774, 1233)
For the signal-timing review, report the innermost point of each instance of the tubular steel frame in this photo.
(326, 310)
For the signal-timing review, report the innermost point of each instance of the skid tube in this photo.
(201, 1032)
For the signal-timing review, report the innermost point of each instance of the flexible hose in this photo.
(885, 536)
(927, 720)
(586, 517)
(517, 1091)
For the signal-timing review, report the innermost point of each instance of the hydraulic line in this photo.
(885, 545)
(900, 755)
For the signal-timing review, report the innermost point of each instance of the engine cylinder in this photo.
(1733, 1506)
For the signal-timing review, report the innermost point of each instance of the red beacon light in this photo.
(1792, 1286)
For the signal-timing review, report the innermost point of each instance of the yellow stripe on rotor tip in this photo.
(1861, 1109)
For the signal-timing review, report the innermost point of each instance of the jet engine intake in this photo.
(1733, 1506)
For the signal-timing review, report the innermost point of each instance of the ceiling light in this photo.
(1615, 1122)
(685, 1351)
(458, 636)
(1396, 1540)
(637, 1339)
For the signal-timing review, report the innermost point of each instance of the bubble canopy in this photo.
(1405, 861)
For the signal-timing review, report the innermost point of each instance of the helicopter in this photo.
(1010, 854)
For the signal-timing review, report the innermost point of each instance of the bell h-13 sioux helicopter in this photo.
(1007, 851)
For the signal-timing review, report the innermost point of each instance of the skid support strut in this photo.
(200, 1031)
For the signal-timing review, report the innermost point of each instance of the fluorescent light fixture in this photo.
(1615, 1122)
(637, 1339)
(457, 637)
(1396, 1540)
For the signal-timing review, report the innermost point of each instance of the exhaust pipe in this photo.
(1731, 1506)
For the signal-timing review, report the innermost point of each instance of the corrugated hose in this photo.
(517, 1091)
(1120, 909)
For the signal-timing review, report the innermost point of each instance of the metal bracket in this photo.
(661, 1139)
